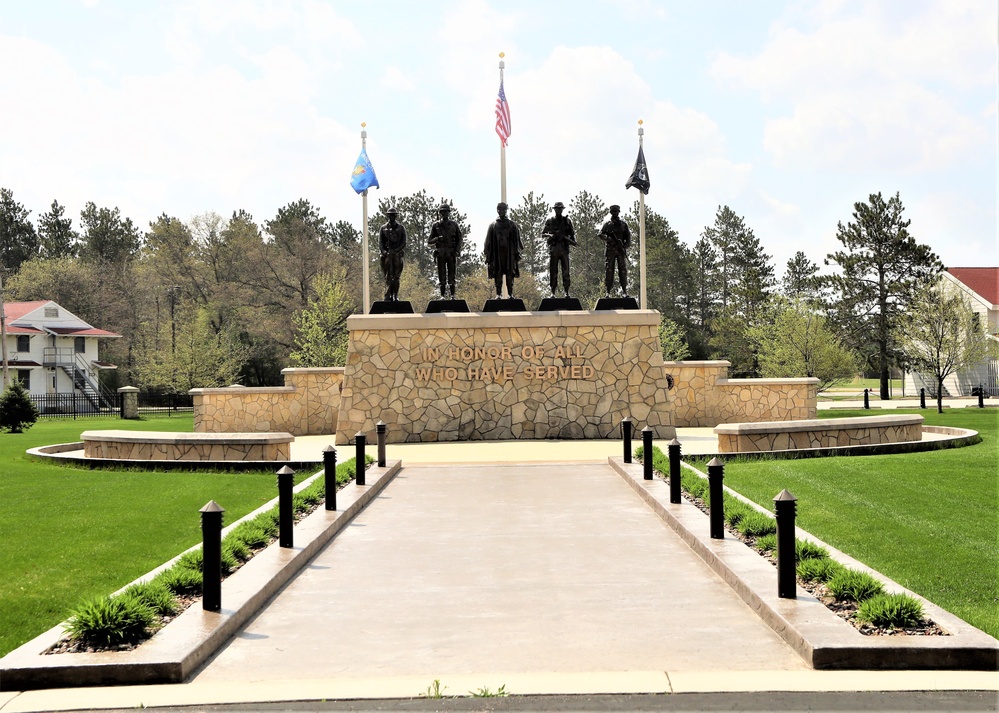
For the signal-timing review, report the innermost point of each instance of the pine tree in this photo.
(17, 411)
(18, 239)
(801, 278)
(56, 235)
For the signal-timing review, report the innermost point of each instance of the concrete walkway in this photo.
(493, 570)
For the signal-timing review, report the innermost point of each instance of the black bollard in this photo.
(922, 398)
(785, 506)
(647, 452)
(716, 506)
(626, 430)
(329, 476)
(867, 398)
(211, 550)
(674, 470)
(381, 429)
(286, 507)
(359, 443)
(981, 396)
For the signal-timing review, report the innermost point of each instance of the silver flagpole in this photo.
(366, 292)
(502, 65)
(641, 227)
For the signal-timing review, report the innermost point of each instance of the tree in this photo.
(530, 216)
(17, 411)
(706, 297)
(321, 328)
(799, 343)
(672, 340)
(882, 269)
(18, 240)
(943, 335)
(107, 238)
(801, 280)
(723, 236)
(56, 235)
(202, 358)
(588, 213)
(669, 282)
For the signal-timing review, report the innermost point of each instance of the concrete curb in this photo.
(178, 649)
(820, 637)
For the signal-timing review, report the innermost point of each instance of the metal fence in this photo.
(79, 405)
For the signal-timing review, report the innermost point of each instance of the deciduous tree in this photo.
(321, 328)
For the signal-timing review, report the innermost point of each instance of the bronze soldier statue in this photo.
(445, 239)
(502, 250)
(617, 237)
(392, 244)
(559, 234)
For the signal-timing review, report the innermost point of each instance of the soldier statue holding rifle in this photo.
(617, 237)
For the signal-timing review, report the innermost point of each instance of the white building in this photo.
(54, 352)
(980, 285)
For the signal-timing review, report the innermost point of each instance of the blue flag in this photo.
(363, 176)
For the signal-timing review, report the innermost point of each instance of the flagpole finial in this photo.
(641, 130)
(364, 134)
(502, 64)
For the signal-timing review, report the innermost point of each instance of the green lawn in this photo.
(930, 521)
(69, 533)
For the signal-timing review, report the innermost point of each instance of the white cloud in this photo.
(871, 89)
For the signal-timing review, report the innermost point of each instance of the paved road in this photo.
(572, 573)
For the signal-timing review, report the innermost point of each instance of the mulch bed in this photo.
(844, 609)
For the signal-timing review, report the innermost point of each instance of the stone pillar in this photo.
(129, 402)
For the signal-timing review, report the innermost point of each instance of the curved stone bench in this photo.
(158, 445)
(818, 433)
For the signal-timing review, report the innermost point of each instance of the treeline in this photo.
(217, 300)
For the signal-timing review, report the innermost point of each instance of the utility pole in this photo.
(3, 332)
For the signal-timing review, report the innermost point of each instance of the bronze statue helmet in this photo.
(559, 204)
(392, 211)
(444, 208)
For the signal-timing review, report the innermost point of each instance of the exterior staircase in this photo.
(74, 365)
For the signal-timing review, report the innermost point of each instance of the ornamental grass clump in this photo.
(851, 584)
(805, 550)
(181, 580)
(110, 621)
(156, 595)
(890, 610)
(766, 543)
(756, 524)
(818, 570)
(251, 534)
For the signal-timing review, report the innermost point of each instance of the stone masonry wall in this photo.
(820, 434)
(703, 395)
(503, 376)
(308, 404)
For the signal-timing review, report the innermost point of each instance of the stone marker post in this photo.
(129, 402)
(211, 550)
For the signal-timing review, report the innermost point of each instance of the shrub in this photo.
(805, 550)
(766, 543)
(110, 621)
(893, 610)
(755, 524)
(156, 596)
(17, 411)
(851, 584)
(818, 570)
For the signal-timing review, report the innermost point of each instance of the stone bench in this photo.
(158, 445)
(817, 433)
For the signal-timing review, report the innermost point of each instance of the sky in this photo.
(787, 112)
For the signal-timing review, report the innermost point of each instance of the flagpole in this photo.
(365, 292)
(502, 65)
(641, 227)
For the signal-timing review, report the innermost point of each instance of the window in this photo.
(79, 344)
(51, 311)
(23, 343)
(24, 376)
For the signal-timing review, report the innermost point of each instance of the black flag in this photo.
(640, 175)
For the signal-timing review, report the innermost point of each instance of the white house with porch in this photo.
(53, 352)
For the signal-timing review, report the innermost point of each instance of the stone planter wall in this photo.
(149, 445)
(308, 404)
(449, 377)
(818, 433)
(703, 395)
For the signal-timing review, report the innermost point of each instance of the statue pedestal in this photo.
(608, 303)
(503, 376)
(441, 306)
(504, 304)
(560, 304)
(396, 307)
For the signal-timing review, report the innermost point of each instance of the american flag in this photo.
(502, 115)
